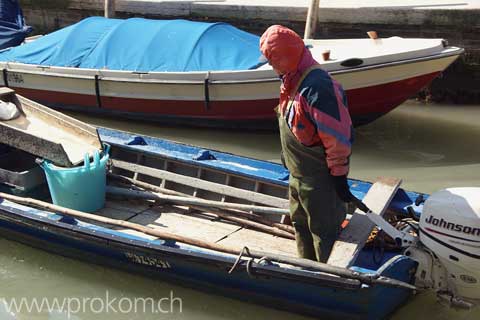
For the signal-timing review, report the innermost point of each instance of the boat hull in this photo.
(290, 292)
(237, 99)
(291, 289)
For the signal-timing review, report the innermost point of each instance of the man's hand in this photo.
(343, 191)
(360, 205)
(342, 188)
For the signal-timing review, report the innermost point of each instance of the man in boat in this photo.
(316, 135)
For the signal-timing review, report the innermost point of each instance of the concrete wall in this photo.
(460, 83)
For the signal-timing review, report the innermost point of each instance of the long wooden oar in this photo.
(243, 222)
(194, 201)
(304, 263)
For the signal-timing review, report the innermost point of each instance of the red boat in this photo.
(378, 75)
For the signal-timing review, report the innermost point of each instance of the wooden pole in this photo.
(244, 222)
(304, 263)
(312, 17)
(193, 201)
(262, 225)
(226, 212)
(109, 8)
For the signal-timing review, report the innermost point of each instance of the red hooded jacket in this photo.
(319, 114)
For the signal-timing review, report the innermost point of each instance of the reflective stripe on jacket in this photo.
(319, 113)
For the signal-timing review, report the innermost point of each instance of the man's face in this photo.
(278, 65)
(277, 70)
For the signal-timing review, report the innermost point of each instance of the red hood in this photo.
(290, 80)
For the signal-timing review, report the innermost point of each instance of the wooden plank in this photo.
(148, 195)
(255, 240)
(132, 206)
(173, 220)
(204, 185)
(4, 91)
(352, 239)
(120, 210)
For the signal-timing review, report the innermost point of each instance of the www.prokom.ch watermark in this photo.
(97, 305)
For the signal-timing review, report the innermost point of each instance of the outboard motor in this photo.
(450, 229)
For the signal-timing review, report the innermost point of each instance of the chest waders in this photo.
(315, 209)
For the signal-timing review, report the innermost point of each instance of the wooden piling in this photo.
(109, 8)
(312, 18)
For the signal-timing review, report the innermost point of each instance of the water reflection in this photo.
(429, 147)
(419, 135)
(29, 273)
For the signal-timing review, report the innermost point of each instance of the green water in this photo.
(429, 147)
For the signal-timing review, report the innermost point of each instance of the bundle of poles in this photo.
(248, 216)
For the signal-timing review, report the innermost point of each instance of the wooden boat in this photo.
(47, 133)
(214, 176)
(378, 75)
(222, 177)
(216, 221)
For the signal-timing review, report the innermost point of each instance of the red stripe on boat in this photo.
(365, 102)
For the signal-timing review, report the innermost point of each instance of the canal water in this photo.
(429, 146)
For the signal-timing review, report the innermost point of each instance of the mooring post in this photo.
(109, 8)
(312, 17)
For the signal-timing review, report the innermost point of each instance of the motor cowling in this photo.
(450, 228)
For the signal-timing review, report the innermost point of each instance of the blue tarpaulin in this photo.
(12, 24)
(142, 45)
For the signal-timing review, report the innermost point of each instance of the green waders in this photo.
(315, 209)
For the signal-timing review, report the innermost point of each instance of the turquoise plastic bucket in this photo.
(80, 188)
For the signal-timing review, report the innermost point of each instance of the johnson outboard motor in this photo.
(450, 230)
(13, 29)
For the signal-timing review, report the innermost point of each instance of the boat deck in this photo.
(194, 224)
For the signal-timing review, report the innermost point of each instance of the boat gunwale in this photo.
(105, 133)
(90, 74)
(93, 231)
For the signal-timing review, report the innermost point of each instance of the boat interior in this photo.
(195, 222)
(192, 223)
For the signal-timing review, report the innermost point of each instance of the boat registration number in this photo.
(148, 261)
(14, 77)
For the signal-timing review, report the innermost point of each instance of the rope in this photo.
(239, 259)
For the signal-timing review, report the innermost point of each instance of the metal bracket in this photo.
(207, 91)
(402, 238)
(5, 77)
(97, 91)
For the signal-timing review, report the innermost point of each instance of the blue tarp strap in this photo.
(97, 91)
(207, 92)
(5, 77)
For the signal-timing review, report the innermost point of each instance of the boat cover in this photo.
(12, 24)
(142, 45)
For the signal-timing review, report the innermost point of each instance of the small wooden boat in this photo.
(47, 133)
(200, 74)
(211, 175)
(215, 221)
